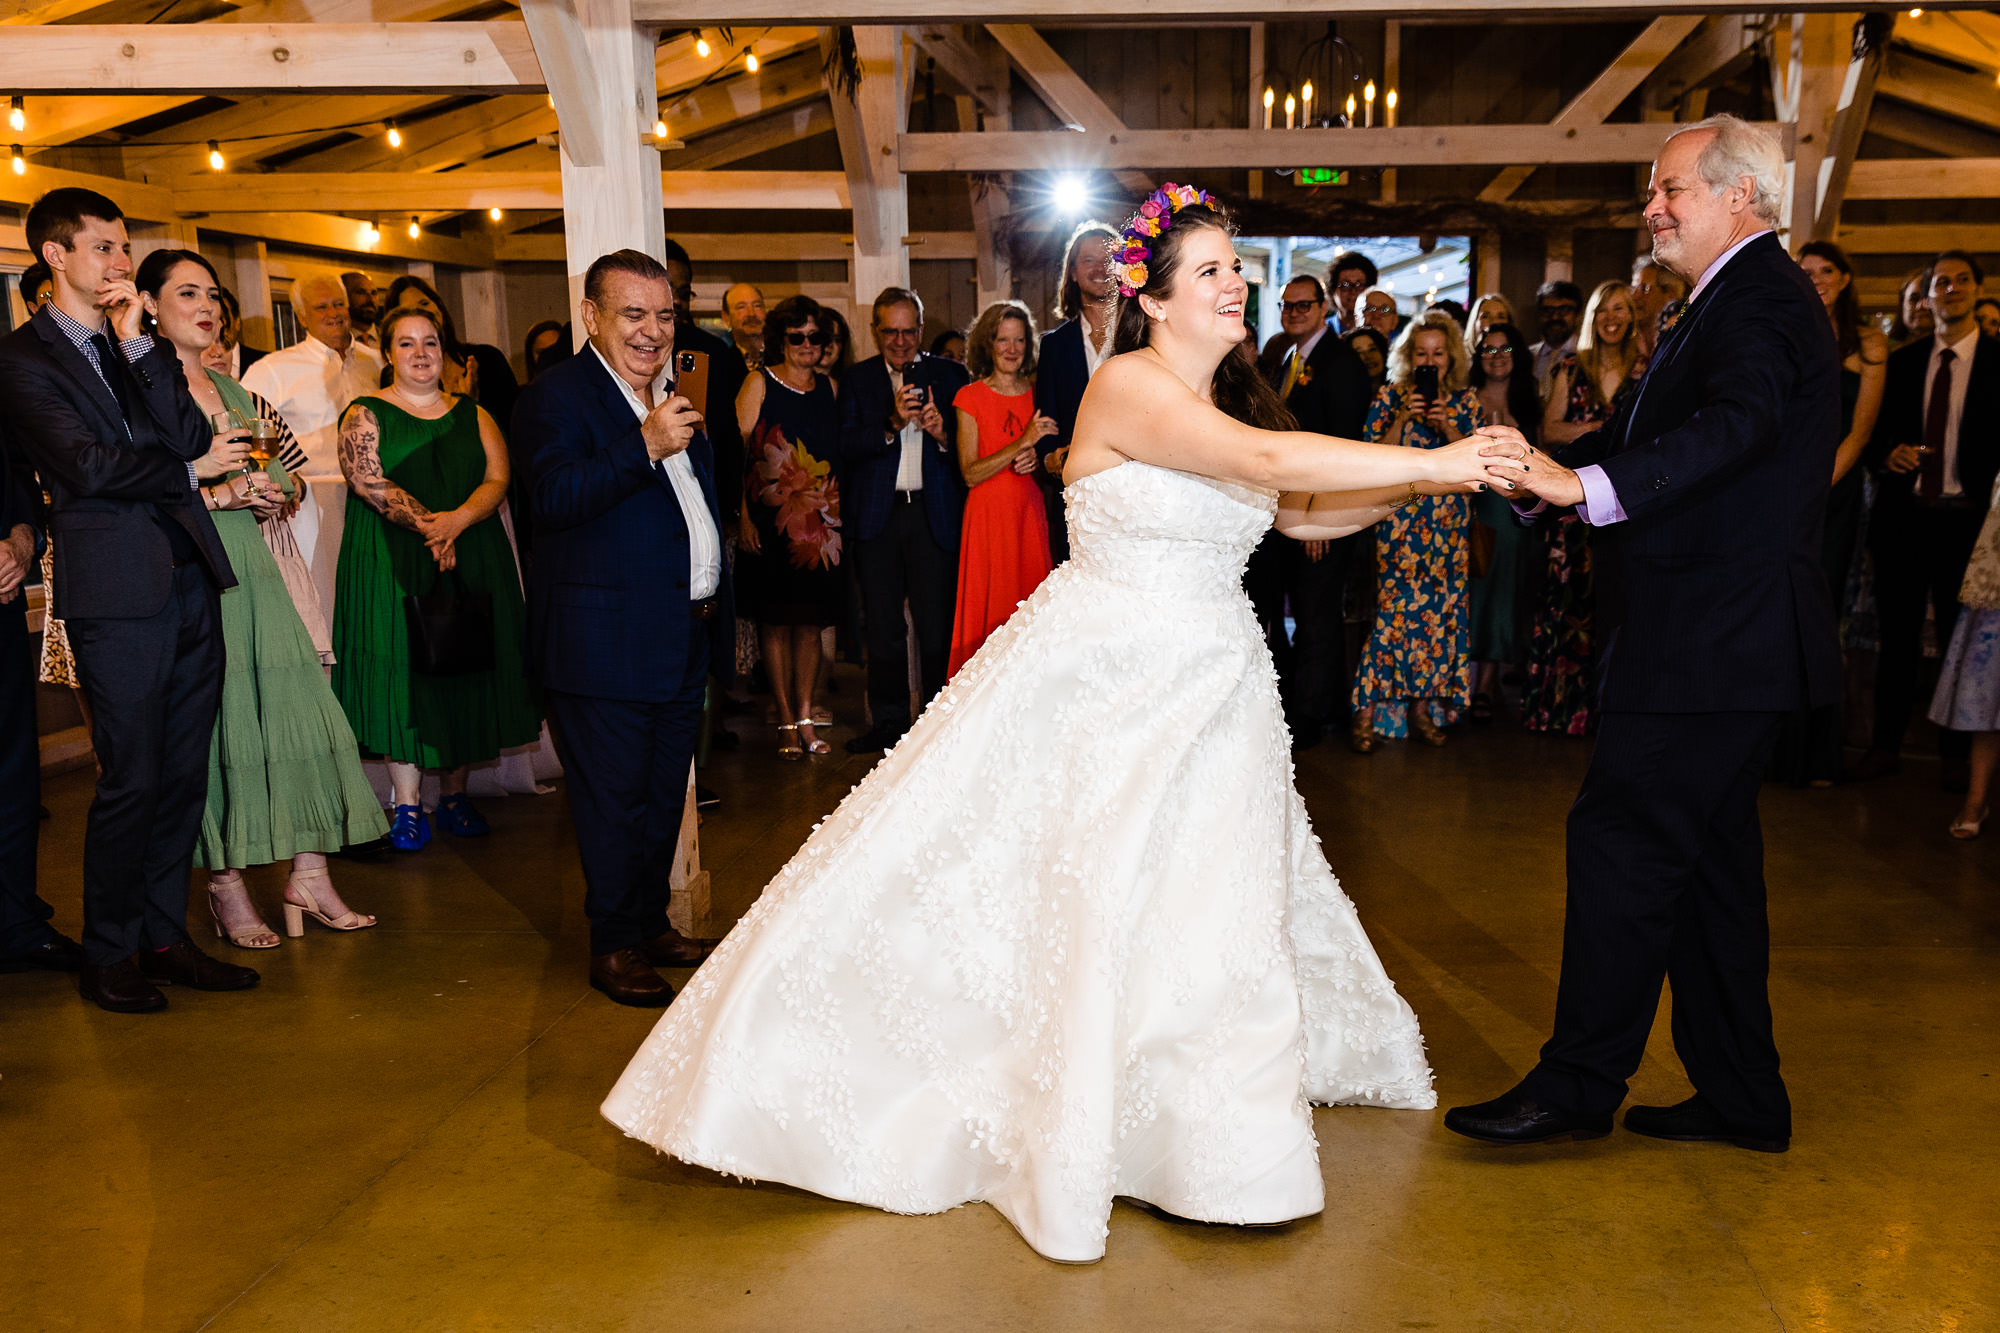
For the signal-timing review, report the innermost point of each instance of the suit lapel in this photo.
(77, 367)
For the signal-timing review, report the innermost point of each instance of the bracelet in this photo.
(1409, 499)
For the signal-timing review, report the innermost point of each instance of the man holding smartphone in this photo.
(901, 500)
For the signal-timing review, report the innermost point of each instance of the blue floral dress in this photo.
(1420, 647)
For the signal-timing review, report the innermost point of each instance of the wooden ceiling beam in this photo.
(1405, 146)
(193, 58)
(322, 231)
(1925, 178)
(1920, 239)
(1713, 50)
(777, 247)
(1065, 91)
(748, 138)
(1939, 88)
(690, 13)
(402, 193)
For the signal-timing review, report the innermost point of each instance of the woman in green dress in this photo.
(284, 776)
(426, 473)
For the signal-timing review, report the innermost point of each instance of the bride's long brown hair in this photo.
(1238, 389)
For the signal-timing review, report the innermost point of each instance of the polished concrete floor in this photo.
(399, 1129)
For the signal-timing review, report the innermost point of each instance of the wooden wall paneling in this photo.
(867, 128)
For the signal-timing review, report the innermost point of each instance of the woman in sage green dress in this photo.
(426, 473)
(284, 775)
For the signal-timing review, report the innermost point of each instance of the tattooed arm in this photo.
(361, 464)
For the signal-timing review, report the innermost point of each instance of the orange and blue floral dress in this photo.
(792, 499)
(1420, 648)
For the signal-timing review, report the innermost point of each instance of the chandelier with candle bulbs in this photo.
(1329, 87)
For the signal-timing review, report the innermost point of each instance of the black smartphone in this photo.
(916, 376)
(1426, 381)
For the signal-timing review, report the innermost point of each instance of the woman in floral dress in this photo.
(1584, 390)
(1419, 651)
(788, 578)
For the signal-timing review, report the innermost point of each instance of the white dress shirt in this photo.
(1961, 375)
(311, 385)
(1092, 357)
(704, 543)
(910, 467)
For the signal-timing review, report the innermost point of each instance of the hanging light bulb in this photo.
(20, 162)
(702, 48)
(495, 213)
(415, 230)
(750, 62)
(215, 162)
(660, 128)
(395, 136)
(368, 234)
(17, 114)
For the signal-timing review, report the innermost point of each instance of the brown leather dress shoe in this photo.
(181, 964)
(628, 978)
(674, 949)
(119, 988)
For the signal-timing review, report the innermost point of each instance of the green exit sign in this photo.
(1319, 176)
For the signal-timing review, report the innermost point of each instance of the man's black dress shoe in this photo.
(1695, 1121)
(181, 964)
(674, 949)
(61, 954)
(880, 738)
(119, 988)
(628, 978)
(1512, 1118)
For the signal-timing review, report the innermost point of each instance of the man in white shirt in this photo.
(312, 382)
(627, 607)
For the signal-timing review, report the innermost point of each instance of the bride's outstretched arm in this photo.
(1137, 408)
(1309, 516)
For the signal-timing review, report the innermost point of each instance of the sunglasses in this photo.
(1298, 307)
(797, 338)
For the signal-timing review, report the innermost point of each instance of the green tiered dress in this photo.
(439, 723)
(284, 773)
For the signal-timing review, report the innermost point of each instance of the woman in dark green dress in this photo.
(426, 473)
(284, 777)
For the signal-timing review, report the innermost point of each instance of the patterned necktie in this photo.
(1930, 471)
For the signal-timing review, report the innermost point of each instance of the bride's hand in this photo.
(1464, 466)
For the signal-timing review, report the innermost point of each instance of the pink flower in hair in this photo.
(1151, 209)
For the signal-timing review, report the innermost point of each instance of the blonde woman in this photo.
(1417, 658)
(1491, 308)
(1586, 387)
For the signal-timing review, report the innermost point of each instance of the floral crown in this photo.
(1134, 247)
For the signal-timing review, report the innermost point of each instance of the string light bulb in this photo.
(415, 230)
(702, 48)
(20, 162)
(750, 62)
(17, 113)
(660, 128)
(495, 213)
(215, 160)
(395, 136)
(369, 235)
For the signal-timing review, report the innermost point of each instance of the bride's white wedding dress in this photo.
(1073, 938)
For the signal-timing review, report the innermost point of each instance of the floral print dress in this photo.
(792, 499)
(1420, 647)
(1561, 690)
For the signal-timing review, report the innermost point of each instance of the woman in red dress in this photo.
(1003, 549)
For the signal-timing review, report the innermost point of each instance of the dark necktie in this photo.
(114, 379)
(1930, 472)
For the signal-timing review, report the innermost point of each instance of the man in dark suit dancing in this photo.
(901, 497)
(1708, 492)
(625, 602)
(1327, 390)
(1935, 453)
(103, 411)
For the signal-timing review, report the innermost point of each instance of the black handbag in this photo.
(451, 630)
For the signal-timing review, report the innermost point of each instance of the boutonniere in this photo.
(1305, 377)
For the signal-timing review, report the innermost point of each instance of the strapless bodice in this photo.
(1168, 533)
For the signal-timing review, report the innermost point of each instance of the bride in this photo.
(1073, 938)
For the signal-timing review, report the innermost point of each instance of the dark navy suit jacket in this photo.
(1710, 593)
(868, 455)
(608, 607)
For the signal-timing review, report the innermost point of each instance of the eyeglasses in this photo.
(1494, 353)
(1372, 309)
(799, 338)
(1358, 284)
(883, 335)
(1298, 307)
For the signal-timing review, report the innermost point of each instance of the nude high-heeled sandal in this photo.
(254, 937)
(811, 744)
(296, 914)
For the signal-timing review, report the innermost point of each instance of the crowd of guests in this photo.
(1459, 599)
(904, 505)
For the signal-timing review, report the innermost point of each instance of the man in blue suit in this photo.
(901, 498)
(625, 603)
(1706, 494)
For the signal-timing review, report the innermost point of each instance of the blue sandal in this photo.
(409, 830)
(456, 816)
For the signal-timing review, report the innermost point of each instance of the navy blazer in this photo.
(868, 453)
(1710, 595)
(1337, 392)
(111, 489)
(608, 609)
(1901, 421)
